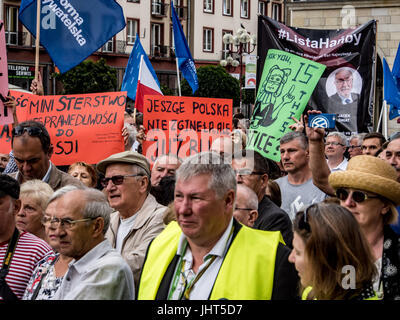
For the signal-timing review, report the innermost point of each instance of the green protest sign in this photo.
(287, 83)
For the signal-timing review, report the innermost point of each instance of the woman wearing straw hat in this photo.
(368, 188)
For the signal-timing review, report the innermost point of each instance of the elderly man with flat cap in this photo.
(23, 250)
(139, 217)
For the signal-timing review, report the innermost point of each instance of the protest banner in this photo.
(82, 127)
(5, 113)
(184, 125)
(286, 85)
(347, 85)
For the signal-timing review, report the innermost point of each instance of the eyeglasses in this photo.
(118, 179)
(247, 172)
(357, 196)
(246, 209)
(32, 131)
(334, 143)
(353, 147)
(341, 81)
(65, 223)
(303, 222)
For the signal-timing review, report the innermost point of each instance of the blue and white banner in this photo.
(182, 53)
(129, 83)
(71, 30)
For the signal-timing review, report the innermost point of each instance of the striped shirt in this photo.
(29, 251)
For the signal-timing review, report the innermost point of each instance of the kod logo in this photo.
(320, 122)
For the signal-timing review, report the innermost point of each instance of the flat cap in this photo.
(129, 157)
(8, 186)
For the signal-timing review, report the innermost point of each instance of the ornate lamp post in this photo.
(241, 41)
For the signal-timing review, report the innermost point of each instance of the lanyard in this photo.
(180, 272)
(10, 250)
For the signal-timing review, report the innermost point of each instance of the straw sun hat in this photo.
(371, 174)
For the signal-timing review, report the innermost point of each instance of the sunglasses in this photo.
(303, 222)
(32, 131)
(357, 196)
(117, 180)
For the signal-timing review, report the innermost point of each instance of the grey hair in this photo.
(169, 155)
(340, 135)
(141, 171)
(290, 136)
(97, 206)
(96, 203)
(60, 192)
(359, 137)
(38, 190)
(249, 196)
(223, 177)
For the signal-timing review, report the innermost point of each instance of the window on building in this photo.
(11, 25)
(156, 39)
(157, 7)
(208, 6)
(132, 28)
(276, 11)
(262, 8)
(208, 40)
(226, 47)
(245, 9)
(227, 8)
(109, 46)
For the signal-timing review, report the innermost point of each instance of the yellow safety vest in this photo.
(247, 272)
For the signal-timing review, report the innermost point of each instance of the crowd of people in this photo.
(228, 223)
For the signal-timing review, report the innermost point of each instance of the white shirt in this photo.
(341, 166)
(101, 274)
(125, 225)
(203, 286)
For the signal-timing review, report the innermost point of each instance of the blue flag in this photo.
(396, 68)
(182, 53)
(390, 91)
(129, 83)
(71, 30)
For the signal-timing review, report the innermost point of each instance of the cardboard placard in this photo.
(82, 127)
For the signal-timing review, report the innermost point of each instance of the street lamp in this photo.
(241, 41)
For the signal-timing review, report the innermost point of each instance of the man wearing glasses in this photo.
(252, 170)
(32, 151)
(138, 217)
(98, 272)
(344, 102)
(335, 147)
(354, 147)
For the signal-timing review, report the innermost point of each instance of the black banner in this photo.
(346, 87)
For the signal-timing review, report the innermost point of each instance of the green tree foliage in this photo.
(89, 77)
(166, 90)
(214, 82)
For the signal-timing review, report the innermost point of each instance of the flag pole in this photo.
(37, 40)
(385, 120)
(137, 86)
(380, 116)
(177, 74)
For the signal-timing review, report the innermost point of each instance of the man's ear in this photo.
(230, 198)
(264, 179)
(253, 215)
(50, 151)
(98, 225)
(17, 206)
